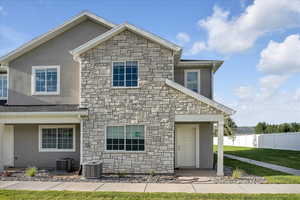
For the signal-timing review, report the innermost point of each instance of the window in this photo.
(125, 138)
(3, 86)
(57, 138)
(45, 80)
(192, 80)
(125, 74)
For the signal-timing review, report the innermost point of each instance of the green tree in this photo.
(229, 126)
(261, 128)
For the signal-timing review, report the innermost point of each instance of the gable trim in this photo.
(118, 29)
(200, 97)
(4, 60)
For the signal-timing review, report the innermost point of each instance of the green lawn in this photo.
(29, 195)
(278, 157)
(267, 155)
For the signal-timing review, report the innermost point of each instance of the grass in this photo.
(64, 195)
(278, 157)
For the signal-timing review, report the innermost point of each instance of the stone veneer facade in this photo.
(153, 104)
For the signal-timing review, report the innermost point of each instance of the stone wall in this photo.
(153, 104)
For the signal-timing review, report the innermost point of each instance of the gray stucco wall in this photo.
(26, 148)
(206, 145)
(53, 52)
(205, 79)
(153, 104)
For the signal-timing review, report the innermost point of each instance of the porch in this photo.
(194, 144)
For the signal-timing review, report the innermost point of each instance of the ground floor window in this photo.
(125, 138)
(57, 138)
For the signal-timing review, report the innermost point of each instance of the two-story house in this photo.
(95, 91)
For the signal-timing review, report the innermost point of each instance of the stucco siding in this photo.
(26, 148)
(53, 52)
(205, 79)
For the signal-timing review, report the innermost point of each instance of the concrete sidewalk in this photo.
(287, 170)
(151, 187)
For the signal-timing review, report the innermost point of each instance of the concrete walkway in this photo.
(266, 165)
(151, 187)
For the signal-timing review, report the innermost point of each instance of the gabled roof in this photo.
(118, 29)
(53, 33)
(200, 97)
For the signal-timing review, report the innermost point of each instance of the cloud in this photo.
(2, 11)
(228, 34)
(197, 47)
(270, 84)
(245, 92)
(297, 95)
(281, 58)
(183, 38)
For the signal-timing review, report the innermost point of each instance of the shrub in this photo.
(31, 171)
(237, 173)
(122, 174)
(152, 172)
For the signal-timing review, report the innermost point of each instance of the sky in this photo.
(258, 40)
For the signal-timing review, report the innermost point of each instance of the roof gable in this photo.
(118, 29)
(4, 60)
(200, 97)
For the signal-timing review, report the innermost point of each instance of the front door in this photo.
(186, 146)
(8, 154)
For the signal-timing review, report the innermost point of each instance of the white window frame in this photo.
(199, 78)
(112, 74)
(33, 80)
(41, 149)
(124, 151)
(5, 98)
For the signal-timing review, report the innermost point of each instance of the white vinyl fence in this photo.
(288, 141)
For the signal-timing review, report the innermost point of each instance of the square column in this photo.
(220, 166)
(2, 129)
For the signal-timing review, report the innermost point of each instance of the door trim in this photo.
(197, 144)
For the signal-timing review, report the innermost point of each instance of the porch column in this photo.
(220, 171)
(81, 140)
(2, 129)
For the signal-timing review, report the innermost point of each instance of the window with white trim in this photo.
(125, 74)
(192, 80)
(57, 138)
(45, 80)
(125, 138)
(3, 86)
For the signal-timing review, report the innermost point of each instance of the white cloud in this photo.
(235, 34)
(281, 58)
(197, 47)
(245, 93)
(270, 84)
(183, 38)
(297, 95)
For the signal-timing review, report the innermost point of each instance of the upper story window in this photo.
(125, 74)
(192, 80)
(3, 86)
(45, 80)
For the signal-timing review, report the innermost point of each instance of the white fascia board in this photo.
(200, 97)
(118, 29)
(199, 118)
(58, 114)
(214, 63)
(4, 60)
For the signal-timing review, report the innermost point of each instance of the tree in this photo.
(261, 128)
(229, 126)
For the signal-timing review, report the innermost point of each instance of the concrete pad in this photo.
(4, 184)
(32, 185)
(259, 188)
(77, 186)
(123, 187)
(287, 188)
(161, 187)
(218, 188)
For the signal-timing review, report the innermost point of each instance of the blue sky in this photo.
(259, 79)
